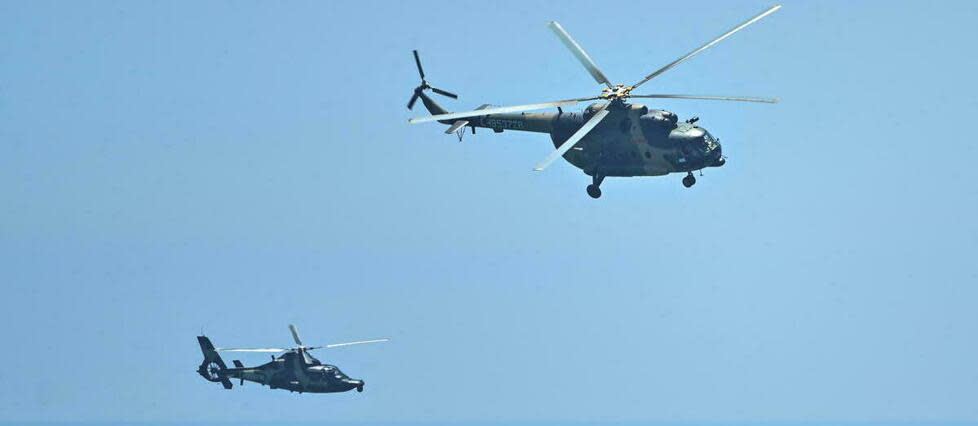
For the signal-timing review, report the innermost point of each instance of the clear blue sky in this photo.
(167, 167)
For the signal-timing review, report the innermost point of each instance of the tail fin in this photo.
(212, 368)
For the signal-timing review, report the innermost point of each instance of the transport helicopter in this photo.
(295, 370)
(611, 137)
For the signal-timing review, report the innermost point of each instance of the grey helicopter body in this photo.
(632, 140)
(295, 370)
(611, 137)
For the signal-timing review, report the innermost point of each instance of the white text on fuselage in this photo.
(501, 123)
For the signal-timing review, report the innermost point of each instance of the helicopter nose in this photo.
(718, 159)
(358, 384)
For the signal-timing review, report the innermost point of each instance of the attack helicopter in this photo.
(295, 370)
(611, 137)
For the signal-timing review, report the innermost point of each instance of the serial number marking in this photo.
(501, 123)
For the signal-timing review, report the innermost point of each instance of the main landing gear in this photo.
(594, 189)
(689, 180)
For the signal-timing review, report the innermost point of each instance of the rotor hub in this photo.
(618, 92)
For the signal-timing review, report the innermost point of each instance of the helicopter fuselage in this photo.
(632, 141)
(296, 372)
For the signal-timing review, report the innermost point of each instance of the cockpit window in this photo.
(711, 142)
(335, 372)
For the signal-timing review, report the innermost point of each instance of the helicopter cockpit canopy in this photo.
(335, 372)
(712, 143)
(694, 139)
(327, 372)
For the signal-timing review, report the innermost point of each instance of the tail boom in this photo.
(525, 122)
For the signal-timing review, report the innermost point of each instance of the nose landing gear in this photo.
(594, 189)
(689, 180)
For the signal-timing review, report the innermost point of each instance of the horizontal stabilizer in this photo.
(462, 123)
(456, 125)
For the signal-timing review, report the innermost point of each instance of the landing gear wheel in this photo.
(594, 191)
(689, 180)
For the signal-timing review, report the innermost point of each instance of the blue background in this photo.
(232, 167)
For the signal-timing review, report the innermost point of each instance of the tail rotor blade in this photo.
(414, 99)
(444, 93)
(417, 61)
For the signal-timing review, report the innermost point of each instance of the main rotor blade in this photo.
(579, 52)
(417, 61)
(498, 110)
(574, 139)
(295, 334)
(444, 93)
(706, 46)
(710, 98)
(251, 350)
(336, 345)
(414, 98)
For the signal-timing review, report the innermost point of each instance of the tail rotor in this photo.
(212, 367)
(425, 86)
